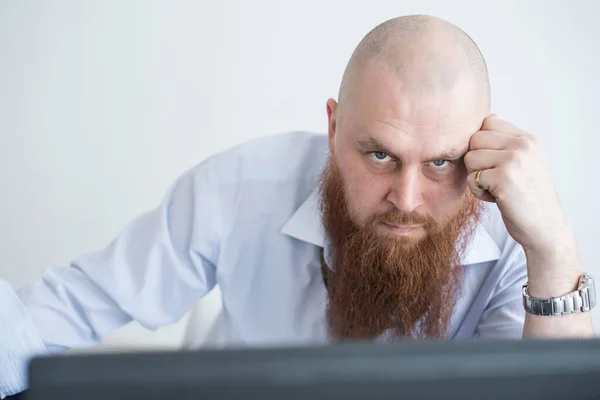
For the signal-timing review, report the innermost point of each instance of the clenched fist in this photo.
(506, 166)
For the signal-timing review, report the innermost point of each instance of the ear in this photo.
(331, 125)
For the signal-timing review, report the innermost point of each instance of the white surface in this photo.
(103, 104)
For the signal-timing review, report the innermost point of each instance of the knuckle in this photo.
(528, 142)
(468, 159)
(515, 157)
(532, 138)
(488, 123)
(474, 141)
(504, 175)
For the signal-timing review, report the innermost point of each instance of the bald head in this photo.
(414, 92)
(428, 55)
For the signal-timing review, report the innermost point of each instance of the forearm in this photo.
(552, 272)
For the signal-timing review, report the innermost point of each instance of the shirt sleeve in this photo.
(504, 315)
(154, 271)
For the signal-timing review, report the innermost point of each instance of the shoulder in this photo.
(276, 158)
(263, 180)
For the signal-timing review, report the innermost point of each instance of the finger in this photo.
(476, 160)
(490, 140)
(481, 194)
(495, 123)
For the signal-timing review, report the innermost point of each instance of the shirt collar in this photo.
(305, 224)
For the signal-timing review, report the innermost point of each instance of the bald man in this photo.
(419, 215)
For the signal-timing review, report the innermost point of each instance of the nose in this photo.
(405, 190)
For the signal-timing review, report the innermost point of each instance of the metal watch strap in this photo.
(583, 299)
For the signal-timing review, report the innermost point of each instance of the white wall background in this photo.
(104, 103)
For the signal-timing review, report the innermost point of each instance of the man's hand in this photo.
(515, 176)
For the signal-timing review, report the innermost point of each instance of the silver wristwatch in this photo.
(583, 299)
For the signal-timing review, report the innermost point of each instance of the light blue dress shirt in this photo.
(248, 220)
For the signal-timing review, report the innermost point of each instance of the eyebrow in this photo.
(453, 154)
(373, 144)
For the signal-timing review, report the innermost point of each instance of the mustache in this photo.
(396, 217)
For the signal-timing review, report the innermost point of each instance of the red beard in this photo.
(388, 284)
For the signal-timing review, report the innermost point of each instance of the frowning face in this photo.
(399, 148)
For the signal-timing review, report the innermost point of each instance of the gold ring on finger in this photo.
(478, 180)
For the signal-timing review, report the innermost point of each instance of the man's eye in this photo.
(379, 155)
(440, 163)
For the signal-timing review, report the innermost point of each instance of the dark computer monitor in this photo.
(409, 370)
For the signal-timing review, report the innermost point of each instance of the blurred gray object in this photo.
(513, 370)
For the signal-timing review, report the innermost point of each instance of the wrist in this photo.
(553, 270)
(553, 285)
(558, 238)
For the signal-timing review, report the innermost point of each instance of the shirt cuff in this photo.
(19, 342)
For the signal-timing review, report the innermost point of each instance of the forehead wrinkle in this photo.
(418, 131)
(399, 113)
